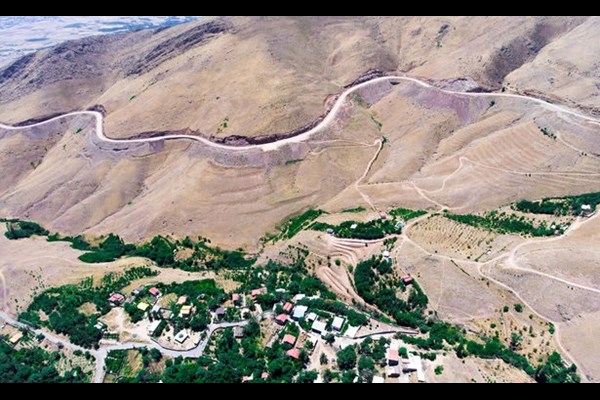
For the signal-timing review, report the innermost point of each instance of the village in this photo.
(291, 323)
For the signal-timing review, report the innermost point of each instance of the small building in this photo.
(299, 312)
(419, 368)
(287, 307)
(353, 226)
(181, 336)
(257, 292)
(264, 375)
(166, 314)
(137, 291)
(143, 306)
(311, 316)
(338, 323)
(393, 372)
(383, 215)
(329, 231)
(238, 332)
(299, 297)
(407, 279)
(393, 357)
(14, 339)
(154, 292)
(155, 309)
(294, 353)
(220, 312)
(386, 254)
(182, 300)
(289, 339)
(247, 378)
(116, 299)
(586, 210)
(318, 327)
(101, 326)
(186, 311)
(378, 379)
(281, 319)
(153, 327)
(235, 298)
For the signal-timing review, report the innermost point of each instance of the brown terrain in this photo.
(257, 77)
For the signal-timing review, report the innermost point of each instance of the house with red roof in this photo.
(281, 319)
(407, 279)
(294, 353)
(393, 357)
(287, 307)
(116, 299)
(289, 339)
(154, 292)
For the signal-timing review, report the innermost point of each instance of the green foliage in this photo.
(546, 132)
(159, 249)
(375, 229)
(61, 305)
(554, 371)
(374, 291)
(110, 249)
(23, 229)
(407, 214)
(518, 307)
(34, 365)
(77, 242)
(346, 358)
(503, 224)
(377, 123)
(505, 309)
(135, 313)
(354, 210)
(296, 224)
(439, 369)
(560, 206)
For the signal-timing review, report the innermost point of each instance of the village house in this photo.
(186, 311)
(116, 299)
(299, 312)
(182, 300)
(154, 292)
(281, 319)
(143, 306)
(294, 353)
(220, 312)
(238, 332)
(338, 323)
(287, 307)
(318, 327)
(407, 279)
(289, 339)
(392, 357)
(153, 327)
(181, 336)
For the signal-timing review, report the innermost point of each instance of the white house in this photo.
(181, 336)
(338, 323)
(318, 327)
(299, 312)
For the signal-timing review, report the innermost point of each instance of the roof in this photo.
(182, 300)
(14, 339)
(338, 322)
(153, 326)
(238, 332)
(299, 312)
(378, 379)
(407, 279)
(586, 207)
(386, 253)
(290, 339)
(353, 226)
(318, 326)
(155, 308)
(282, 318)
(154, 291)
(287, 307)
(143, 306)
(116, 297)
(294, 353)
(181, 336)
(185, 310)
(393, 355)
(220, 311)
(311, 316)
(247, 378)
(299, 296)
(264, 375)
(235, 297)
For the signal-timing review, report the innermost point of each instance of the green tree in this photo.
(346, 358)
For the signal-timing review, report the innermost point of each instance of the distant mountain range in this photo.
(21, 35)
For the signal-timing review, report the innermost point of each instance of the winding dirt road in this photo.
(329, 118)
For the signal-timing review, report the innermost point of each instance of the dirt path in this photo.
(329, 118)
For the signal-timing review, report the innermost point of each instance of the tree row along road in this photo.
(329, 118)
